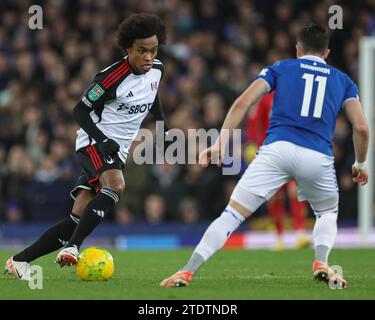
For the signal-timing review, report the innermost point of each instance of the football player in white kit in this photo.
(109, 114)
(309, 94)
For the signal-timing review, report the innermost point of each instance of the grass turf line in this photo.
(230, 274)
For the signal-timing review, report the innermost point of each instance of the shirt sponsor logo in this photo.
(139, 108)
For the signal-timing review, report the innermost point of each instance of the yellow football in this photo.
(95, 264)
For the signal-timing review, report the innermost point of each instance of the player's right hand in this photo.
(360, 175)
(108, 147)
(212, 153)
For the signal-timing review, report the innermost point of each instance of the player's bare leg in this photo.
(213, 239)
(112, 186)
(83, 198)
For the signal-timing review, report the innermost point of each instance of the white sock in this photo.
(218, 232)
(324, 235)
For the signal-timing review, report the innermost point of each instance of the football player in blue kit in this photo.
(309, 94)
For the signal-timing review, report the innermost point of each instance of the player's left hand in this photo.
(211, 153)
(360, 175)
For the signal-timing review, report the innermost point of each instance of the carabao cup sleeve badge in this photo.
(96, 92)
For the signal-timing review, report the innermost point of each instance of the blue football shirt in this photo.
(308, 97)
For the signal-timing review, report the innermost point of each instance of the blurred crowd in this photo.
(215, 49)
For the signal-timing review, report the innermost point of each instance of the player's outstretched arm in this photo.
(81, 114)
(236, 114)
(157, 111)
(242, 104)
(358, 120)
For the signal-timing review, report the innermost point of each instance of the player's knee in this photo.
(119, 188)
(245, 212)
(329, 211)
(113, 179)
(329, 204)
(248, 201)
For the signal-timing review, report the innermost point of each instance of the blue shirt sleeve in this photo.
(269, 74)
(351, 90)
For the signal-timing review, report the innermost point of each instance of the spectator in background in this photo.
(164, 179)
(17, 179)
(138, 183)
(155, 209)
(205, 186)
(216, 48)
(213, 110)
(123, 215)
(44, 203)
(60, 152)
(3, 165)
(13, 212)
(189, 211)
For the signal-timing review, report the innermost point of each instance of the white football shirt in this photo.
(120, 100)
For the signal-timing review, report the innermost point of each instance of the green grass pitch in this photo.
(230, 274)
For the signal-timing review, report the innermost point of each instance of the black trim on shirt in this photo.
(158, 65)
(158, 112)
(81, 114)
(102, 89)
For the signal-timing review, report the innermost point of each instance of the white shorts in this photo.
(281, 161)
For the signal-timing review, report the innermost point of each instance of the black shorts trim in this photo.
(74, 191)
(93, 164)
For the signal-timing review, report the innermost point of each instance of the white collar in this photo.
(314, 58)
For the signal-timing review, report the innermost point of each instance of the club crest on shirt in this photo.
(154, 85)
(95, 93)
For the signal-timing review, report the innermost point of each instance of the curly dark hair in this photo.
(140, 26)
(314, 38)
